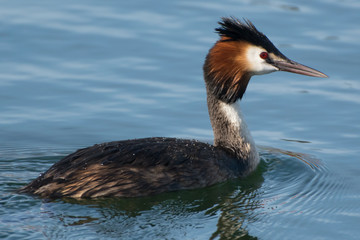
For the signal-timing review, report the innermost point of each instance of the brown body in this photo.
(153, 165)
(135, 168)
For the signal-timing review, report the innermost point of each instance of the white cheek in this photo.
(258, 65)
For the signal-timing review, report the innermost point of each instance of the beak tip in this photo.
(322, 75)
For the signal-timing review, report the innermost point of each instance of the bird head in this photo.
(242, 52)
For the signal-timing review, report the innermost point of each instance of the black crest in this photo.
(236, 30)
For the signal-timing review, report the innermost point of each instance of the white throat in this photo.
(234, 116)
(233, 113)
(238, 132)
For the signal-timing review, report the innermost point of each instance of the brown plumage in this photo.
(148, 166)
(226, 66)
(134, 168)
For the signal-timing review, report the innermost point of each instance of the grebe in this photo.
(141, 167)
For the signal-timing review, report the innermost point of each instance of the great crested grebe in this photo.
(140, 167)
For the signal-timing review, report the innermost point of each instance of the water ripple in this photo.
(298, 184)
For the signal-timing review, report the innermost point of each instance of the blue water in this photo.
(78, 73)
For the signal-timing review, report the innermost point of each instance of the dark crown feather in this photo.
(235, 30)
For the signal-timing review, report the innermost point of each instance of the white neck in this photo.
(231, 131)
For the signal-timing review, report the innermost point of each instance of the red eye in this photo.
(264, 55)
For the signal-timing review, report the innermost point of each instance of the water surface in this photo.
(76, 74)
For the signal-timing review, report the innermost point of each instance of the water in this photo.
(75, 74)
